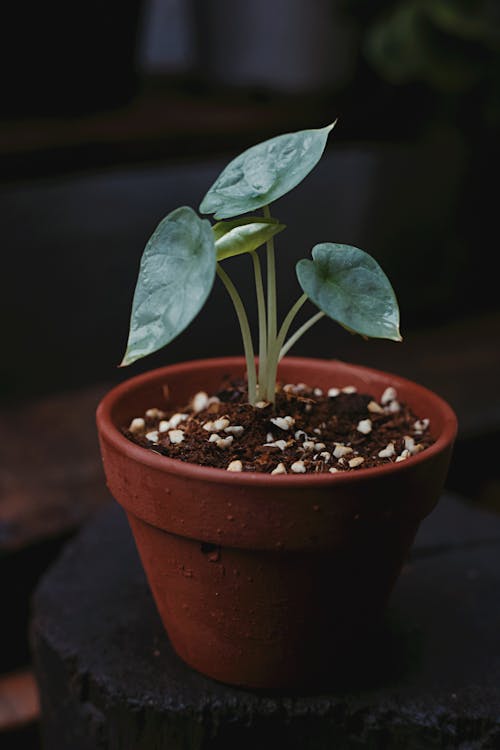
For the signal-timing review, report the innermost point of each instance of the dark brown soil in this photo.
(312, 431)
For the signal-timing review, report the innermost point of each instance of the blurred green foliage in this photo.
(450, 46)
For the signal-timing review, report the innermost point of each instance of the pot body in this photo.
(267, 581)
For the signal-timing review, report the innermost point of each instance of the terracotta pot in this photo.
(264, 581)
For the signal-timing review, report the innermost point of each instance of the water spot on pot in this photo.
(229, 504)
(187, 572)
(168, 491)
(218, 531)
(230, 518)
(212, 551)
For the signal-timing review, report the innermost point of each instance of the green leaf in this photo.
(237, 237)
(264, 173)
(349, 286)
(175, 278)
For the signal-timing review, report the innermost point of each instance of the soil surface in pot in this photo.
(306, 431)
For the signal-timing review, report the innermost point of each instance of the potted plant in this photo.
(273, 500)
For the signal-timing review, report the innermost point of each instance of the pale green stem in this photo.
(278, 343)
(261, 308)
(271, 288)
(298, 333)
(245, 332)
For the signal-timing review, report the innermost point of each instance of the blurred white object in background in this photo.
(167, 38)
(289, 46)
(283, 46)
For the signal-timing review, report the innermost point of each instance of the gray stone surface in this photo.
(429, 679)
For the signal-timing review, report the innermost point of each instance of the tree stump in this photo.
(109, 678)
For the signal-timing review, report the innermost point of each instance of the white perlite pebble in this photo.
(280, 469)
(281, 444)
(137, 425)
(325, 455)
(308, 445)
(333, 392)
(219, 441)
(298, 467)
(217, 424)
(411, 446)
(299, 434)
(176, 419)
(318, 392)
(261, 404)
(421, 425)
(319, 446)
(155, 413)
(364, 426)
(387, 452)
(333, 470)
(375, 408)
(176, 436)
(221, 423)
(341, 450)
(357, 461)
(409, 443)
(164, 426)
(284, 423)
(152, 436)
(235, 429)
(404, 455)
(390, 394)
(235, 466)
(349, 389)
(394, 407)
(200, 401)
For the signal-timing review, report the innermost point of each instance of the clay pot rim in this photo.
(211, 474)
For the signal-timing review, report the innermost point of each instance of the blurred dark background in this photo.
(114, 114)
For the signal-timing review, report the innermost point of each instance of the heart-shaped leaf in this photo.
(175, 278)
(264, 173)
(349, 286)
(238, 237)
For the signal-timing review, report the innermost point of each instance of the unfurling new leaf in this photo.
(243, 236)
